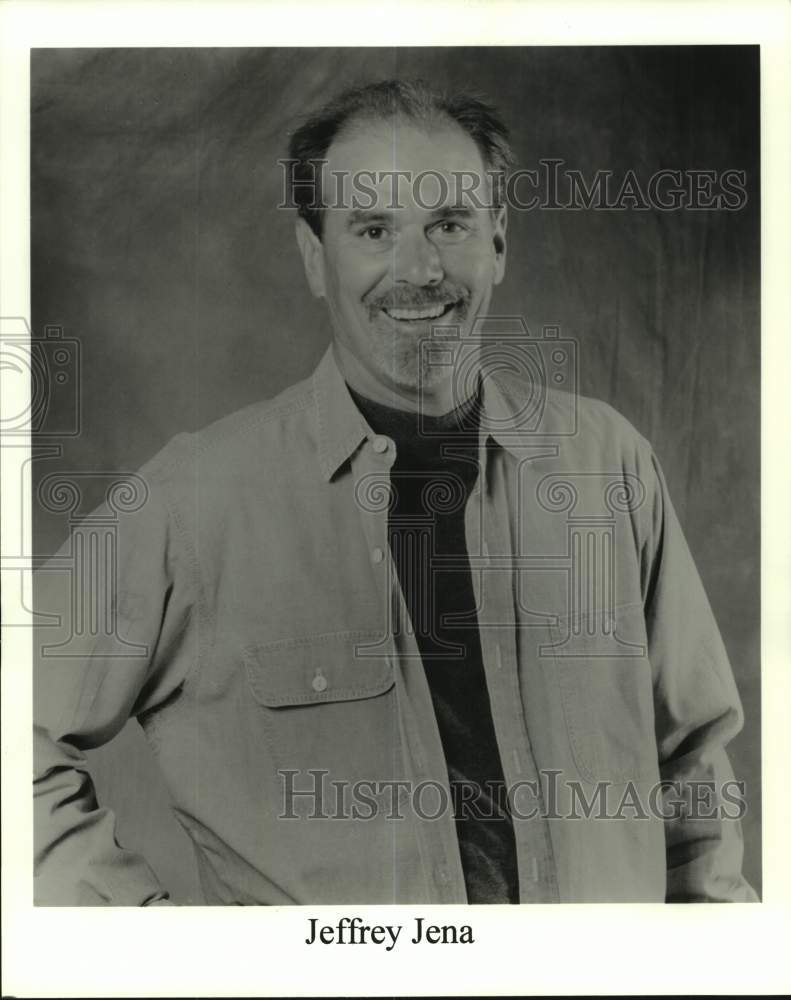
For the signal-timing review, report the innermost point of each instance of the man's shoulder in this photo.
(247, 435)
(601, 424)
(577, 422)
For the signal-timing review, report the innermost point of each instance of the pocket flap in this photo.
(315, 670)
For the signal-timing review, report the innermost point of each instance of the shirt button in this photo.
(319, 683)
(377, 555)
(381, 444)
(443, 876)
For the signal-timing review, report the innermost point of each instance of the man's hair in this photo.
(383, 101)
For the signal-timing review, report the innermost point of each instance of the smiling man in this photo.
(428, 251)
(422, 259)
(423, 628)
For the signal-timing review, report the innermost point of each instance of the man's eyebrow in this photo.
(368, 217)
(458, 211)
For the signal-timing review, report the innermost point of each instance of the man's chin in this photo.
(414, 379)
(409, 367)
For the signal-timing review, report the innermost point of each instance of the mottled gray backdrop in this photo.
(157, 243)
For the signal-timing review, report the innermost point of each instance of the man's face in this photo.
(390, 273)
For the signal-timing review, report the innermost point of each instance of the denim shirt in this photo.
(250, 618)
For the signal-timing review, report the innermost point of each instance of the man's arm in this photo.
(697, 707)
(121, 648)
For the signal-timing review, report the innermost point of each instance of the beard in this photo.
(402, 351)
(405, 360)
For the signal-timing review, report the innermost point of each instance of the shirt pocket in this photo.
(324, 707)
(606, 690)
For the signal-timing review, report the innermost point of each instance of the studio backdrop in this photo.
(164, 264)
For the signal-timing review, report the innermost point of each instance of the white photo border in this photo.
(259, 951)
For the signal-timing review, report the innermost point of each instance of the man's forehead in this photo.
(401, 144)
(384, 163)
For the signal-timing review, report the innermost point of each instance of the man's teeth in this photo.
(427, 312)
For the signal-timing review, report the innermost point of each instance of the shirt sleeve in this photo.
(697, 711)
(115, 606)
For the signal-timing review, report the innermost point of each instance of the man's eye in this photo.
(374, 232)
(451, 230)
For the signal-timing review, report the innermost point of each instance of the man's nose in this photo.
(417, 260)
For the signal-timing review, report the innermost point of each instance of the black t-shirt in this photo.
(434, 472)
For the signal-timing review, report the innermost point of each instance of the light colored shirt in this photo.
(238, 597)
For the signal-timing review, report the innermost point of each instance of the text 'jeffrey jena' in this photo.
(352, 930)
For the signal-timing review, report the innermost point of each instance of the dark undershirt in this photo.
(432, 488)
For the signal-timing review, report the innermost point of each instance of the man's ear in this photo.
(500, 245)
(312, 251)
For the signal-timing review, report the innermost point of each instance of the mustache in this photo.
(419, 298)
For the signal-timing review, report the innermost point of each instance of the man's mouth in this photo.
(418, 314)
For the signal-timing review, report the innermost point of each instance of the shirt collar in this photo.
(513, 407)
(341, 426)
(506, 402)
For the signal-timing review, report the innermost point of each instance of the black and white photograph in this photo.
(440, 391)
(394, 485)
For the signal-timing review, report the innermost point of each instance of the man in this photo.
(423, 628)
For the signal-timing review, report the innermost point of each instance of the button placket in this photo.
(371, 487)
(436, 840)
(532, 838)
